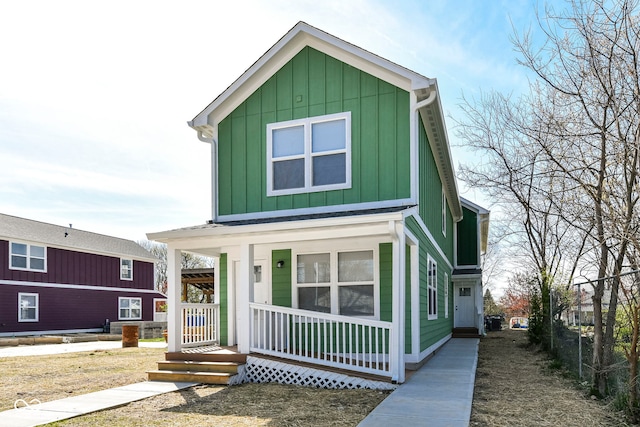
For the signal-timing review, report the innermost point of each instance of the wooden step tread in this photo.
(190, 376)
(196, 366)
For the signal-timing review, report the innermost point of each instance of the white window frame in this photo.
(444, 213)
(28, 257)
(333, 284)
(308, 155)
(130, 317)
(432, 289)
(446, 295)
(122, 264)
(37, 307)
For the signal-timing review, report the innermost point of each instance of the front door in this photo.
(464, 303)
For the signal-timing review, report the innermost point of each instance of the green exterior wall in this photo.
(386, 281)
(430, 197)
(467, 238)
(224, 303)
(315, 84)
(431, 331)
(281, 278)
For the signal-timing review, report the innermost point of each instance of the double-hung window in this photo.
(446, 295)
(337, 282)
(28, 257)
(308, 155)
(129, 308)
(432, 289)
(28, 306)
(126, 269)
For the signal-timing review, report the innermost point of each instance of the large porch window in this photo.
(337, 282)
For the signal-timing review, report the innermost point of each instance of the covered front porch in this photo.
(260, 288)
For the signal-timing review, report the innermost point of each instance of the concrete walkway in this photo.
(48, 349)
(57, 410)
(439, 394)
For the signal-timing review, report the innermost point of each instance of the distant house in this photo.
(57, 279)
(339, 236)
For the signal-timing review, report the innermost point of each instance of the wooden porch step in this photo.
(465, 333)
(196, 366)
(219, 378)
(207, 357)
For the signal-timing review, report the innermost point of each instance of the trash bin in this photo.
(129, 336)
(496, 323)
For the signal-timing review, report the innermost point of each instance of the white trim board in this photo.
(79, 287)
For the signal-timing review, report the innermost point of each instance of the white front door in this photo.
(464, 306)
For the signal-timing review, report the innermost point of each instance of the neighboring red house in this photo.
(57, 279)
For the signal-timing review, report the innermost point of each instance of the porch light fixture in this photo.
(280, 264)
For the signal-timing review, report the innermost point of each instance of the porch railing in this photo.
(198, 324)
(348, 343)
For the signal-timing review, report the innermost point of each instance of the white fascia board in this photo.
(283, 231)
(433, 121)
(284, 50)
(474, 207)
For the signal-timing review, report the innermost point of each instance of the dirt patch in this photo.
(515, 385)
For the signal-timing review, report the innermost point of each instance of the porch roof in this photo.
(204, 238)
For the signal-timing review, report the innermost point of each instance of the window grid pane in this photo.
(355, 266)
(316, 298)
(328, 136)
(288, 141)
(356, 300)
(314, 268)
(330, 169)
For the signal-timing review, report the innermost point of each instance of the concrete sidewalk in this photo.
(439, 394)
(57, 410)
(47, 349)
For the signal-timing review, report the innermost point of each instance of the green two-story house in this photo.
(338, 233)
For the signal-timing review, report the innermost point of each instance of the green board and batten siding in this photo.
(467, 244)
(315, 84)
(431, 331)
(224, 303)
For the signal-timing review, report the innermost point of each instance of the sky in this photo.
(95, 96)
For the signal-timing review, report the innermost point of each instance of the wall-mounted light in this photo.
(280, 264)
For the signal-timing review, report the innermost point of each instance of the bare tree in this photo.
(588, 74)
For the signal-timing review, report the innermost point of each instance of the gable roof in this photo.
(483, 216)
(22, 229)
(303, 35)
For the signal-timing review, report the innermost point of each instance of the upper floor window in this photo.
(126, 269)
(28, 257)
(28, 307)
(432, 289)
(307, 155)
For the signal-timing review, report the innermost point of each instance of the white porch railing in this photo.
(198, 323)
(339, 341)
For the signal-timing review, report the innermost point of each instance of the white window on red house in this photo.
(28, 307)
(129, 308)
(126, 269)
(24, 256)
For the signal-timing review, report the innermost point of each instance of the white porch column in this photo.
(398, 300)
(244, 291)
(174, 297)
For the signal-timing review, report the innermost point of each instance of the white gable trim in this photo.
(300, 36)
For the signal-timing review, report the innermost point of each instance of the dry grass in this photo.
(55, 377)
(515, 387)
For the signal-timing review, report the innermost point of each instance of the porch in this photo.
(339, 343)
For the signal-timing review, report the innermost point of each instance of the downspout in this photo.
(214, 174)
